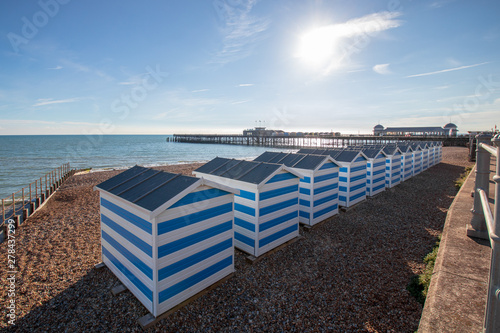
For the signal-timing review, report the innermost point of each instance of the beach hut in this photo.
(425, 155)
(266, 210)
(166, 236)
(392, 166)
(375, 169)
(318, 190)
(440, 151)
(417, 158)
(406, 161)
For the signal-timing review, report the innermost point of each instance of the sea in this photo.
(24, 158)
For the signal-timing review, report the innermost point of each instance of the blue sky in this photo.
(164, 67)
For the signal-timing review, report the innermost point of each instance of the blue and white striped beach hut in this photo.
(417, 158)
(318, 190)
(375, 169)
(425, 155)
(166, 236)
(266, 212)
(439, 145)
(406, 161)
(392, 166)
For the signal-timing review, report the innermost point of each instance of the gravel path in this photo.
(347, 275)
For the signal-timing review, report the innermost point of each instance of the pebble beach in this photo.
(348, 274)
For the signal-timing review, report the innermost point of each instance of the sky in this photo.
(221, 66)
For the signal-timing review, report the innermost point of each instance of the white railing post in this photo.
(492, 315)
(477, 227)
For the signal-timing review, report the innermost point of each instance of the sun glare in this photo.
(317, 46)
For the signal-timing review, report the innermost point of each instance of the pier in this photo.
(282, 141)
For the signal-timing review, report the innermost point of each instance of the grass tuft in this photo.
(460, 181)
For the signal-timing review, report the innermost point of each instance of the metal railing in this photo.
(486, 225)
(21, 204)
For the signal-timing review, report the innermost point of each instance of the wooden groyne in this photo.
(309, 141)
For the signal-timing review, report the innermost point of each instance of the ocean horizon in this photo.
(25, 158)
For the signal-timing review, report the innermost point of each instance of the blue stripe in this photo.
(378, 164)
(193, 218)
(304, 191)
(194, 197)
(303, 202)
(328, 165)
(194, 259)
(376, 188)
(277, 221)
(368, 165)
(326, 177)
(128, 274)
(304, 214)
(244, 209)
(247, 195)
(358, 168)
(139, 243)
(182, 243)
(278, 235)
(378, 172)
(381, 179)
(282, 176)
(359, 195)
(244, 224)
(357, 187)
(342, 188)
(244, 239)
(325, 210)
(277, 192)
(342, 198)
(194, 279)
(358, 177)
(343, 169)
(343, 179)
(306, 180)
(278, 206)
(368, 181)
(132, 218)
(326, 199)
(396, 173)
(148, 271)
(359, 159)
(368, 173)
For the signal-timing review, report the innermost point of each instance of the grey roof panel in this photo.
(310, 162)
(371, 152)
(302, 161)
(146, 187)
(347, 156)
(246, 171)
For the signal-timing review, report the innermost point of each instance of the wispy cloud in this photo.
(240, 102)
(382, 69)
(241, 30)
(448, 70)
(49, 101)
(199, 90)
(56, 68)
(245, 85)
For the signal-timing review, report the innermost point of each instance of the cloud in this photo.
(240, 102)
(56, 68)
(449, 70)
(245, 85)
(382, 69)
(49, 101)
(241, 30)
(199, 90)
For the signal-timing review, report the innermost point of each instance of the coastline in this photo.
(349, 274)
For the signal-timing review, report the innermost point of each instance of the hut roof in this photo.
(245, 171)
(372, 152)
(153, 189)
(300, 161)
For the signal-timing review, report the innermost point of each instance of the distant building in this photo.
(262, 131)
(449, 129)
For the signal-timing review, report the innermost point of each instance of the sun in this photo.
(317, 46)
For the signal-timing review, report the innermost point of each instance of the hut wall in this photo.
(393, 170)
(324, 201)
(127, 247)
(352, 182)
(425, 158)
(195, 246)
(417, 162)
(406, 166)
(375, 175)
(278, 212)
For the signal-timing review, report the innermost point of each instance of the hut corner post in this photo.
(485, 220)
